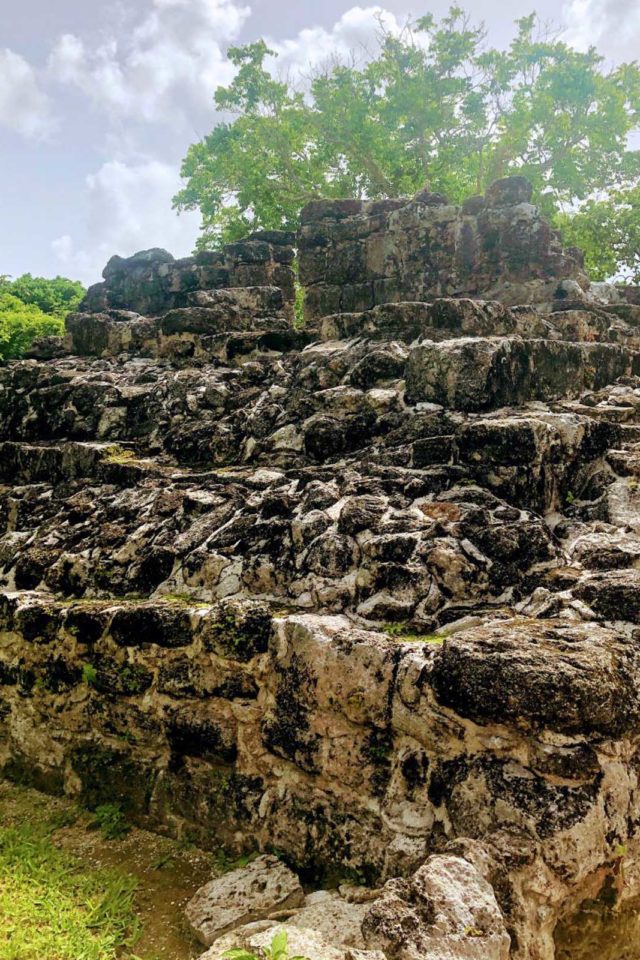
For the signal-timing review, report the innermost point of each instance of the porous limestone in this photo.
(363, 594)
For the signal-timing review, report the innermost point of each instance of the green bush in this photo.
(32, 307)
(21, 324)
(57, 297)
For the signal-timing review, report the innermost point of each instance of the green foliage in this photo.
(54, 909)
(278, 950)
(298, 308)
(404, 632)
(21, 324)
(108, 818)
(56, 297)
(89, 674)
(432, 106)
(225, 861)
(608, 231)
(32, 307)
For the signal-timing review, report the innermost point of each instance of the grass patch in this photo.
(185, 599)
(52, 907)
(109, 819)
(89, 675)
(404, 633)
(226, 862)
(121, 455)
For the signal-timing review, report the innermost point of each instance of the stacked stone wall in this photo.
(358, 594)
(152, 282)
(357, 254)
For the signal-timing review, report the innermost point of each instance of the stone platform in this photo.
(364, 594)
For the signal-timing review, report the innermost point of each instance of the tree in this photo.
(57, 297)
(32, 307)
(608, 230)
(430, 106)
(21, 323)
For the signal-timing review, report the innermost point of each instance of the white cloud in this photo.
(171, 61)
(613, 26)
(355, 33)
(129, 209)
(24, 107)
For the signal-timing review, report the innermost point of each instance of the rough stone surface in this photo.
(242, 896)
(356, 255)
(301, 942)
(364, 594)
(337, 918)
(445, 911)
(152, 281)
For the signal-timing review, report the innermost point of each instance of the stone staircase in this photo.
(361, 595)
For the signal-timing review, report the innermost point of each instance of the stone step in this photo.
(626, 462)
(440, 319)
(447, 319)
(533, 458)
(187, 331)
(606, 549)
(474, 375)
(418, 540)
(603, 413)
(189, 412)
(24, 463)
(238, 629)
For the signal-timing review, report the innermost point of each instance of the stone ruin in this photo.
(365, 593)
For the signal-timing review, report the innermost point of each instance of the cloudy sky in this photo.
(99, 100)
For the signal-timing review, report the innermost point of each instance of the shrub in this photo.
(32, 307)
(110, 821)
(21, 324)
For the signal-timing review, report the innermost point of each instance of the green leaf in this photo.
(89, 674)
(279, 943)
(452, 113)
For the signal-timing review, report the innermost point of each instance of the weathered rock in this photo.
(481, 374)
(355, 255)
(152, 282)
(242, 896)
(357, 597)
(446, 911)
(614, 595)
(333, 915)
(571, 678)
(301, 942)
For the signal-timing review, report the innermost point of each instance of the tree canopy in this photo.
(432, 106)
(32, 307)
(57, 296)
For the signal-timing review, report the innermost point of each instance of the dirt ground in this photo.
(168, 873)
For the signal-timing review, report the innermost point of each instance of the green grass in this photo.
(54, 908)
(109, 819)
(120, 455)
(404, 633)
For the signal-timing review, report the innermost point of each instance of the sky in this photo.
(100, 99)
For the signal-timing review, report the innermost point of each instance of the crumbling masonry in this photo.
(366, 593)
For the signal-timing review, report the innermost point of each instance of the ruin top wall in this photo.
(152, 282)
(356, 254)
